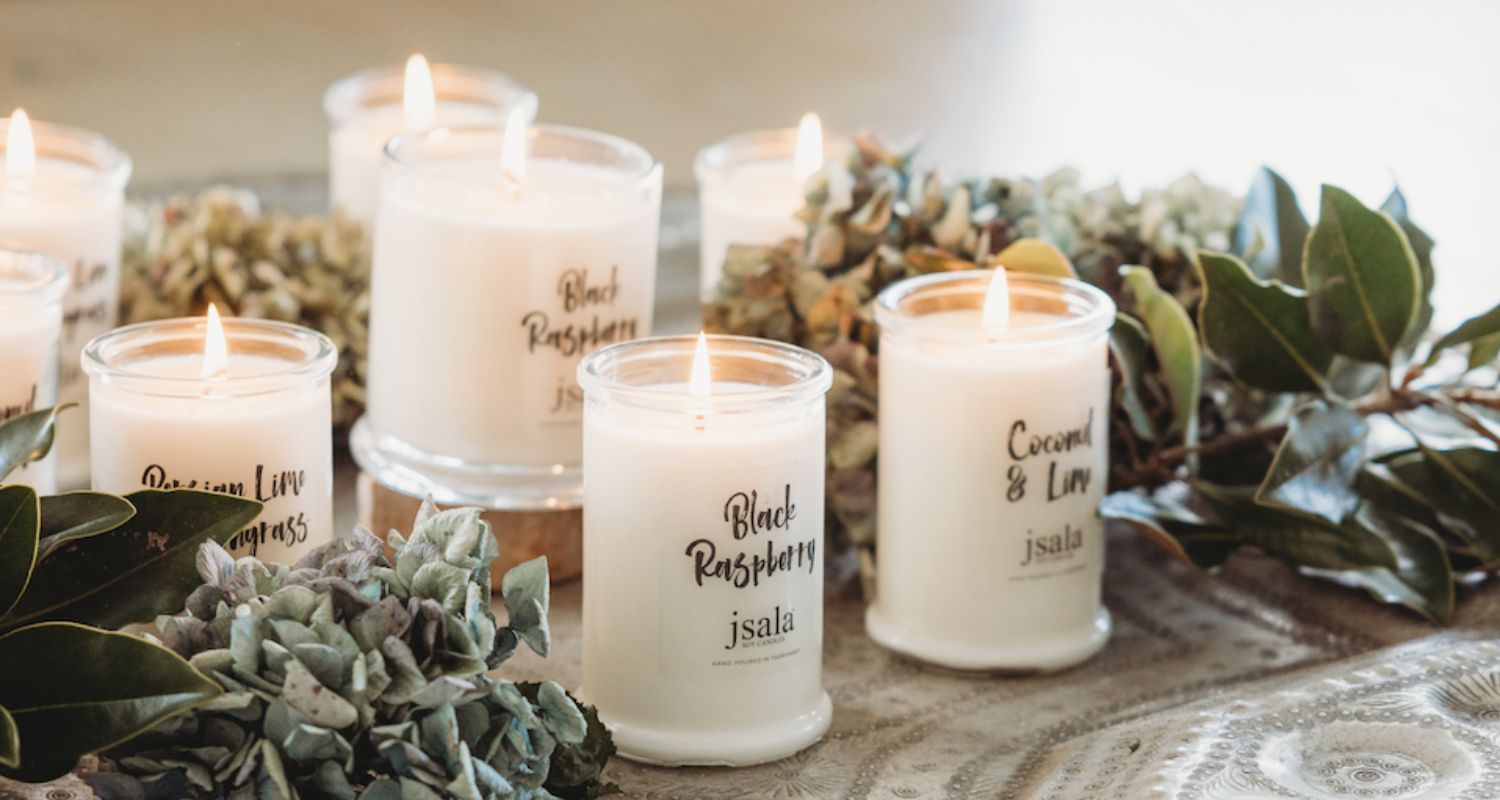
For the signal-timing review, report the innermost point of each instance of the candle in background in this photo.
(368, 108)
(994, 404)
(31, 293)
(751, 186)
(63, 193)
(703, 548)
(494, 273)
(241, 407)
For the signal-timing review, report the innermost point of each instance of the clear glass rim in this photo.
(810, 375)
(109, 165)
(1083, 311)
(382, 86)
(643, 165)
(103, 355)
(714, 162)
(41, 278)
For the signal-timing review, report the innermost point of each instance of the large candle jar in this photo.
(243, 409)
(62, 192)
(703, 548)
(367, 109)
(993, 460)
(31, 293)
(496, 270)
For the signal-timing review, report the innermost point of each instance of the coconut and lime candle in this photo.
(703, 548)
(62, 192)
(502, 256)
(994, 401)
(241, 407)
(31, 293)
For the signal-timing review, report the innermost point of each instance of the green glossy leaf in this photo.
(1131, 347)
(27, 438)
(97, 689)
(10, 740)
(1459, 485)
(79, 515)
(1258, 330)
(1473, 332)
(1317, 463)
(141, 569)
(1363, 283)
(1175, 341)
(1423, 578)
(1182, 532)
(1484, 351)
(18, 536)
(1297, 537)
(1272, 217)
(1421, 246)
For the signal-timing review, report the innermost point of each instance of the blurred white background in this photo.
(1354, 92)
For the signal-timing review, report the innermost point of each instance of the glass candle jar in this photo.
(489, 287)
(703, 548)
(32, 286)
(993, 460)
(367, 109)
(257, 424)
(62, 192)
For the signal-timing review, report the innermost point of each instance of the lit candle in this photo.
(751, 186)
(239, 406)
(63, 193)
(31, 292)
(368, 108)
(994, 403)
(502, 257)
(703, 548)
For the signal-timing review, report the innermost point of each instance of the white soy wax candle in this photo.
(496, 270)
(367, 109)
(994, 407)
(703, 548)
(62, 192)
(241, 407)
(31, 292)
(751, 186)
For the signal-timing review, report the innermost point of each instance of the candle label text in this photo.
(281, 523)
(1054, 465)
(582, 318)
(26, 406)
(89, 309)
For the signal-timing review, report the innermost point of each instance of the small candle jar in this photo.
(259, 426)
(993, 460)
(62, 192)
(366, 109)
(703, 548)
(750, 190)
(31, 293)
(488, 288)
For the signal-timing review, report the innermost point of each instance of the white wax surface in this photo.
(482, 306)
(660, 659)
(962, 574)
(84, 228)
(356, 149)
(276, 447)
(30, 333)
(755, 205)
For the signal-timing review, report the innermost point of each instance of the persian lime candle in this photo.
(502, 257)
(241, 407)
(62, 191)
(31, 294)
(994, 400)
(367, 108)
(703, 548)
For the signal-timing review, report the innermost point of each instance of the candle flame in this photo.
(513, 148)
(418, 97)
(20, 150)
(996, 315)
(701, 376)
(215, 347)
(809, 146)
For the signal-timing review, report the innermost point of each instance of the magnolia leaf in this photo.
(10, 740)
(1182, 532)
(1484, 351)
(1176, 344)
(98, 689)
(1474, 332)
(1317, 463)
(79, 515)
(1421, 246)
(1272, 218)
(18, 542)
(1364, 286)
(1299, 538)
(142, 568)
(27, 438)
(1130, 345)
(1459, 485)
(1035, 257)
(1423, 578)
(1259, 330)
